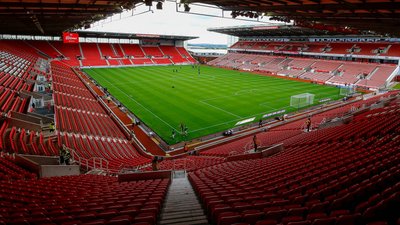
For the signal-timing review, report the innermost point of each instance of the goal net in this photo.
(301, 100)
(347, 90)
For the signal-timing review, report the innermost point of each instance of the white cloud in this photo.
(168, 21)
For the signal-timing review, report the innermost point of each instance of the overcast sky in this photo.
(168, 21)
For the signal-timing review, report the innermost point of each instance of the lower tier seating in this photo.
(334, 180)
(84, 199)
(10, 171)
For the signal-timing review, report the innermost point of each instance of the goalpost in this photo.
(347, 90)
(301, 100)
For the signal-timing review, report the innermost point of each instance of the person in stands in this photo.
(52, 126)
(62, 154)
(108, 99)
(308, 124)
(260, 123)
(255, 142)
(154, 163)
(67, 156)
(185, 148)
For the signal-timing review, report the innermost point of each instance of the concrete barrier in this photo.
(58, 170)
(126, 177)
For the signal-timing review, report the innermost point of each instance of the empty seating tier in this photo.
(85, 199)
(337, 180)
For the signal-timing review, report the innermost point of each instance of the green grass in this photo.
(397, 86)
(212, 102)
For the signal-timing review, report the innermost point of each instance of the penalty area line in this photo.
(223, 110)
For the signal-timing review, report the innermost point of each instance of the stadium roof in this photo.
(96, 34)
(51, 17)
(273, 31)
(382, 16)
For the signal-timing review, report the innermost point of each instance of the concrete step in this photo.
(196, 222)
(174, 210)
(189, 213)
(181, 206)
(186, 220)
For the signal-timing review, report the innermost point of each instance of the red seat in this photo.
(225, 217)
(252, 216)
(95, 222)
(300, 223)
(324, 221)
(266, 222)
(276, 215)
(145, 217)
(348, 219)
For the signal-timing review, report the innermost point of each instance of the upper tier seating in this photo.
(350, 177)
(84, 199)
(92, 54)
(320, 47)
(393, 50)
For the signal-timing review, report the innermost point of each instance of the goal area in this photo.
(301, 100)
(347, 90)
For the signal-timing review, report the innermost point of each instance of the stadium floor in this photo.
(209, 102)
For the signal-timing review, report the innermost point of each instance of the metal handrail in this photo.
(91, 163)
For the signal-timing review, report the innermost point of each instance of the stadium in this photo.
(297, 124)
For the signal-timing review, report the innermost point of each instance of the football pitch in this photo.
(209, 102)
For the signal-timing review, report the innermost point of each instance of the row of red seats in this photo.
(10, 171)
(80, 121)
(10, 101)
(338, 72)
(288, 130)
(77, 102)
(89, 131)
(387, 49)
(188, 163)
(84, 199)
(27, 142)
(119, 153)
(65, 88)
(14, 83)
(92, 54)
(308, 183)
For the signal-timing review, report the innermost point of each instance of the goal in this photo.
(301, 100)
(347, 90)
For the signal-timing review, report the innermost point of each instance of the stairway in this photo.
(181, 206)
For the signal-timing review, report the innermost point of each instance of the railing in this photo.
(92, 163)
